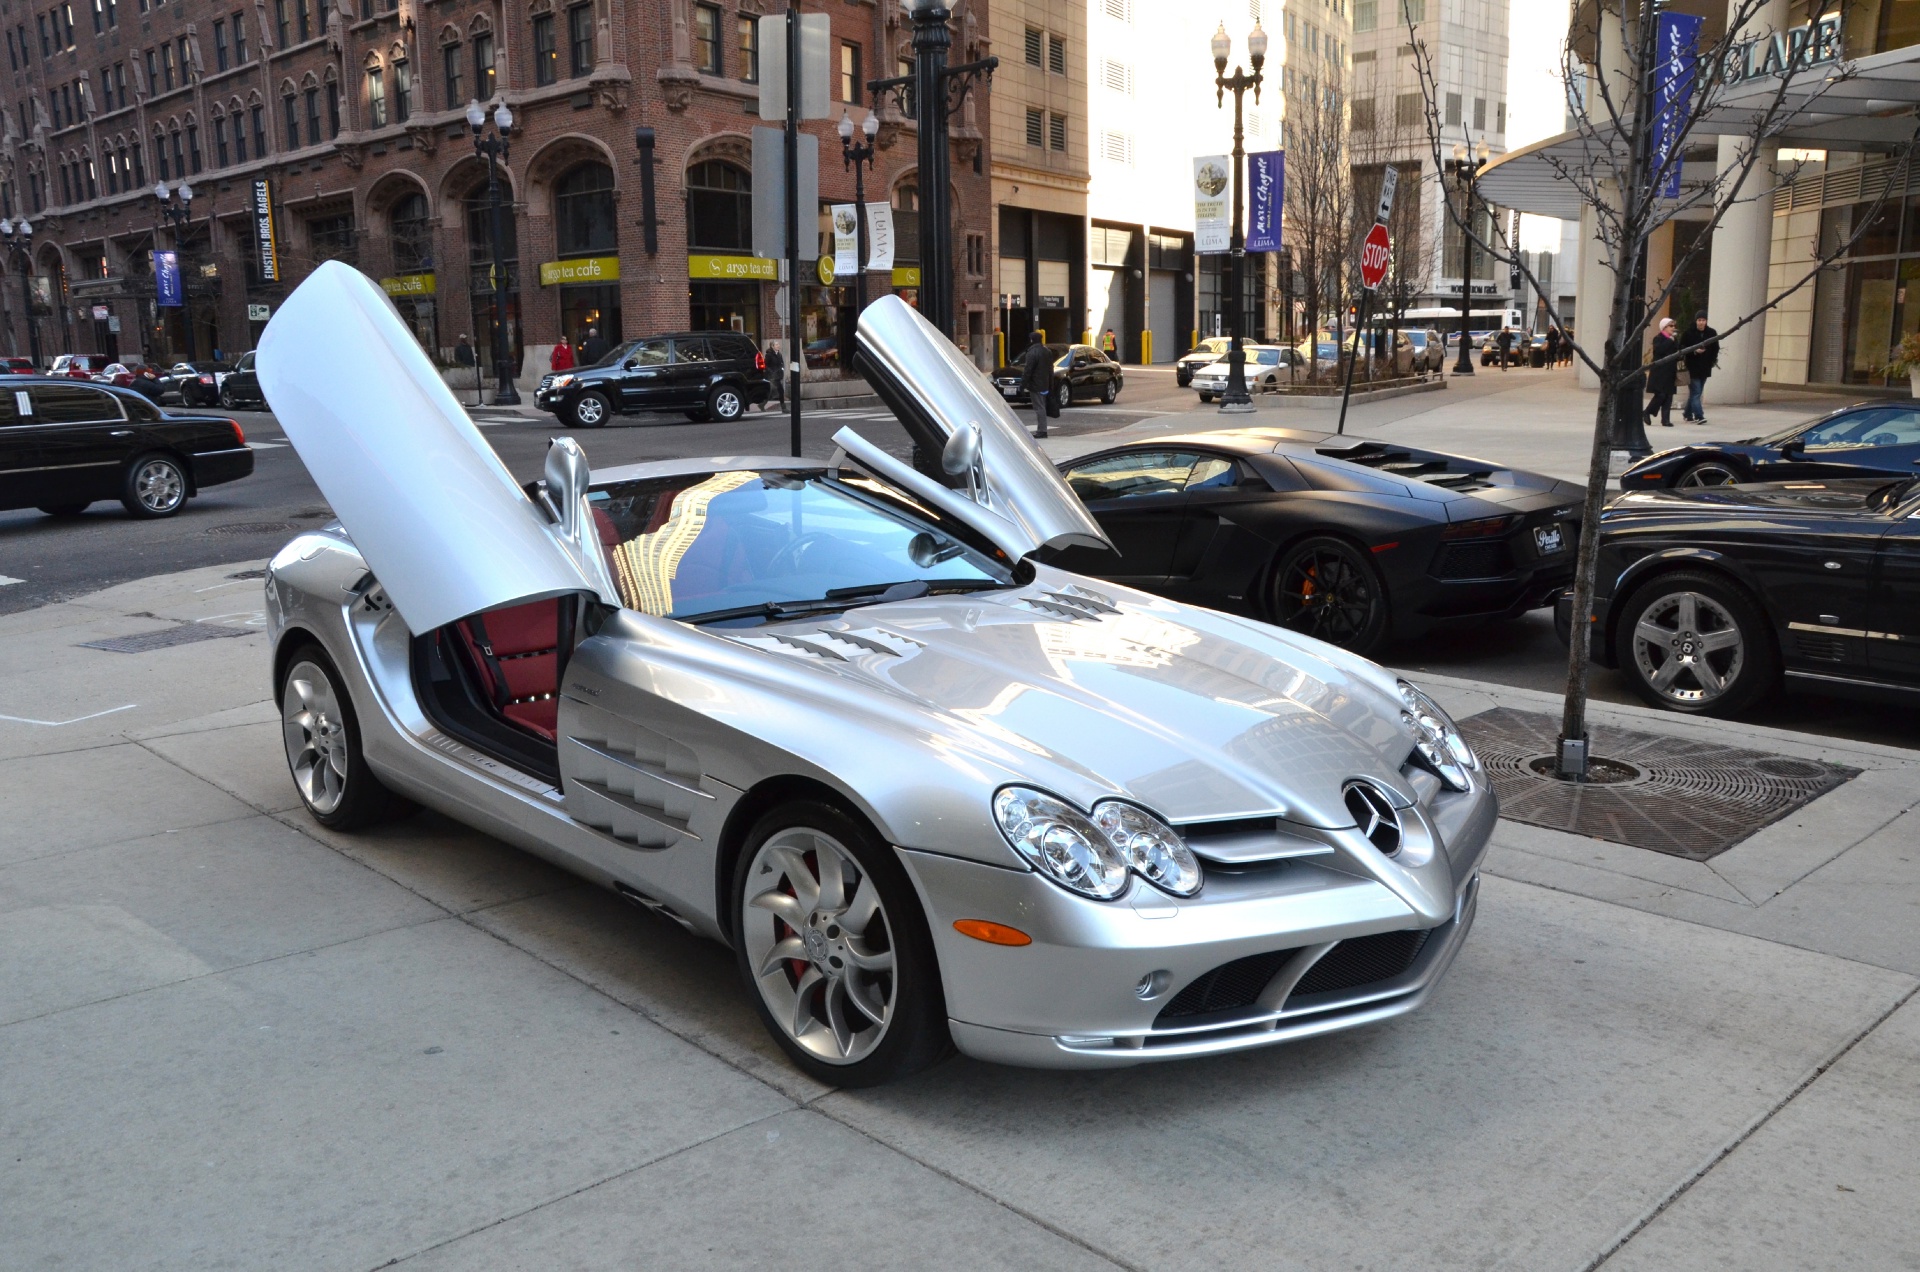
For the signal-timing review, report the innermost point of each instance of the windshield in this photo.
(745, 544)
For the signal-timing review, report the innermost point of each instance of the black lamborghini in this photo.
(1349, 540)
(1864, 440)
(1707, 599)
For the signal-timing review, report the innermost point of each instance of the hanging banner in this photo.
(1212, 204)
(166, 279)
(879, 236)
(1678, 39)
(263, 232)
(846, 240)
(1266, 197)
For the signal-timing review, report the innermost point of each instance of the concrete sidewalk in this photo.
(231, 1039)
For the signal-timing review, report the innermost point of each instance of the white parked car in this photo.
(1266, 367)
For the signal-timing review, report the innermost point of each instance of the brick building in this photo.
(354, 116)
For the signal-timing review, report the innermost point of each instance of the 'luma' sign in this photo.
(1784, 52)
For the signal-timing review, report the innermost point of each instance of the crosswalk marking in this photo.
(6, 581)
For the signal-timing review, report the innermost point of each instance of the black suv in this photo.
(711, 375)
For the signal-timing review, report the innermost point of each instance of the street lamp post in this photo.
(930, 95)
(175, 211)
(854, 156)
(494, 149)
(1236, 400)
(1464, 168)
(19, 239)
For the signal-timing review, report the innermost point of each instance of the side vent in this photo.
(1820, 648)
(632, 783)
(1072, 603)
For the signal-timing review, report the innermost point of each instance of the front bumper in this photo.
(1070, 1000)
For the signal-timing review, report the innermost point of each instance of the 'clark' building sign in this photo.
(1784, 52)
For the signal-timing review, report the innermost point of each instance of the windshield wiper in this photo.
(840, 598)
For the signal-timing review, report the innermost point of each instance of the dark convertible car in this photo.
(1348, 540)
(64, 445)
(1865, 440)
(1707, 599)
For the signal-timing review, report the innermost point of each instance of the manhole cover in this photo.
(1679, 796)
(248, 574)
(165, 638)
(254, 527)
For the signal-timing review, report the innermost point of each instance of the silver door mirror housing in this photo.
(962, 451)
(569, 477)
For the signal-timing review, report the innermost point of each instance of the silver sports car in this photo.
(932, 793)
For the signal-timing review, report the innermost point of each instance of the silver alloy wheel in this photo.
(1709, 474)
(726, 404)
(1688, 647)
(316, 736)
(589, 411)
(159, 485)
(820, 943)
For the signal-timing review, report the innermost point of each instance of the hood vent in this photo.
(833, 646)
(1404, 463)
(1072, 603)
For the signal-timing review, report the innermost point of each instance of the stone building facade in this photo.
(354, 115)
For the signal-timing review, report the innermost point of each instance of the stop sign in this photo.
(1373, 256)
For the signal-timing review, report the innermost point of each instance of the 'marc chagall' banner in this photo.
(1678, 36)
(166, 280)
(1266, 199)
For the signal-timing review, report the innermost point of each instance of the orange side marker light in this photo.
(991, 933)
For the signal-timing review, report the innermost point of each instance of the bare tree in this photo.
(1632, 118)
(1319, 202)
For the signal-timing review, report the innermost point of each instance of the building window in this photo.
(220, 44)
(719, 208)
(580, 40)
(376, 97)
(850, 81)
(1056, 55)
(1057, 133)
(546, 58)
(1414, 10)
(1036, 127)
(259, 132)
(239, 41)
(402, 92)
(1118, 147)
(412, 236)
(166, 65)
(749, 33)
(333, 108)
(1362, 115)
(450, 72)
(313, 116)
(1366, 15)
(1409, 110)
(483, 69)
(239, 137)
(290, 108)
(1117, 76)
(280, 21)
(1453, 109)
(706, 39)
(583, 214)
(1480, 114)
(300, 12)
(904, 67)
(1500, 118)
(221, 152)
(1034, 37)
(976, 256)
(193, 146)
(179, 155)
(331, 236)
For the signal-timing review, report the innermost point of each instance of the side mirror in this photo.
(568, 478)
(962, 454)
(630, 364)
(1793, 449)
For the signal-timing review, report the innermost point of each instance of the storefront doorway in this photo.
(586, 234)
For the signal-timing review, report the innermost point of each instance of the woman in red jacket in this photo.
(562, 357)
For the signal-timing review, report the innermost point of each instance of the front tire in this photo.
(1697, 643)
(155, 486)
(226, 398)
(1206, 397)
(1108, 392)
(1066, 394)
(1705, 475)
(65, 509)
(1325, 588)
(725, 404)
(590, 410)
(322, 739)
(834, 949)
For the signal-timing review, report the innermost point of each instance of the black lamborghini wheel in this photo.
(1326, 588)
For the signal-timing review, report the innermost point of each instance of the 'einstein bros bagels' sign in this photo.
(743, 269)
(584, 269)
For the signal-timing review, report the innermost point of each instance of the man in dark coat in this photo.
(593, 348)
(776, 378)
(1036, 376)
(1503, 343)
(1702, 344)
(1662, 377)
(1553, 347)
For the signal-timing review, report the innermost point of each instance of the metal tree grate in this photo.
(165, 638)
(1687, 798)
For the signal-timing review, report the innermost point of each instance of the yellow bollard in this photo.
(1000, 343)
(1146, 348)
(1086, 337)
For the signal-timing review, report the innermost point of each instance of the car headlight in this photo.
(561, 381)
(1436, 737)
(1061, 843)
(1153, 849)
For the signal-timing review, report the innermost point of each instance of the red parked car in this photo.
(17, 366)
(80, 366)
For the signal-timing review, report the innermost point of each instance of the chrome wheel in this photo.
(158, 486)
(725, 404)
(1688, 648)
(590, 411)
(315, 732)
(1708, 474)
(819, 945)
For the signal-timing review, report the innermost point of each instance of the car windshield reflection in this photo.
(749, 546)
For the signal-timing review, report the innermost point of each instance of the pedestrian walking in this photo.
(1662, 377)
(1108, 345)
(593, 348)
(1503, 344)
(1702, 344)
(1553, 346)
(562, 359)
(1036, 373)
(463, 352)
(776, 377)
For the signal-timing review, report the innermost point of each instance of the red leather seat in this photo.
(517, 653)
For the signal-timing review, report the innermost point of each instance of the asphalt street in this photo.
(243, 523)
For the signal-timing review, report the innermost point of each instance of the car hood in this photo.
(1093, 692)
(1851, 494)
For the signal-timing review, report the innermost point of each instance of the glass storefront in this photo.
(724, 307)
(720, 224)
(585, 226)
(1873, 292)
(413, 262)
(481, 278)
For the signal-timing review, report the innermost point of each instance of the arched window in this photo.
(583, 217)
(719, 207)
(412, 236)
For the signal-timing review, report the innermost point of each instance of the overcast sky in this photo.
(1536, 102)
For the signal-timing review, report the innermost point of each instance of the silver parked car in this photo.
(1266, 368)
(932, 792)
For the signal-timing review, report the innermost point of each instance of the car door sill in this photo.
(1850, 684)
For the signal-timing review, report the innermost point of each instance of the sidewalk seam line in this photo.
(1753, 1128)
